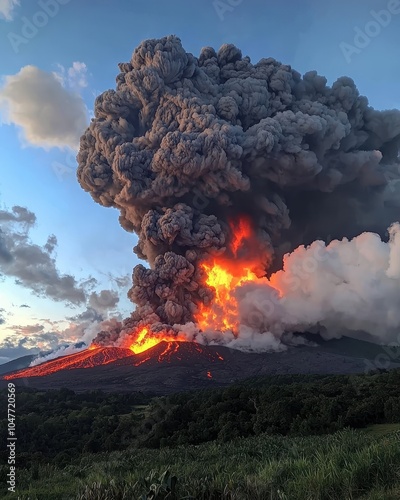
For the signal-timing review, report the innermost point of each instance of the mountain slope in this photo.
(17, 364)
(175, 366)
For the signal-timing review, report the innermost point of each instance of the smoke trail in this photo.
(61, 351)
(185, 143)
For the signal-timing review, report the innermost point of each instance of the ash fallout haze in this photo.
(262, 198)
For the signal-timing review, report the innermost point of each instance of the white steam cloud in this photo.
(346, 287)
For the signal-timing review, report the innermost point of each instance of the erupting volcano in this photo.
(221, 166)
(228, 172)
(163, 353)
(223, 275)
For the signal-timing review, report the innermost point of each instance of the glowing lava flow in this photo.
(144, 339)
(170, 349)
(224, 276)
(89, 358)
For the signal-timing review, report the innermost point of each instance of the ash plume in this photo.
(185, 143)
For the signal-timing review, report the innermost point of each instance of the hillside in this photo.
(171, 367)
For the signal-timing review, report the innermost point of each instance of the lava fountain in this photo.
(224, 275)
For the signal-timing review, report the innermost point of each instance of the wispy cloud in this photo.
(27, 329)
(7, 9)
(74, 77)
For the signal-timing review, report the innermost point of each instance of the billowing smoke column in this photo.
(184, 145)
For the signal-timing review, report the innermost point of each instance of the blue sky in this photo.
(309, 35)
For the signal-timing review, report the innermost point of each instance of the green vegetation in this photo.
(289, 405)
(274, 437)
(346, 465)
(383, 429)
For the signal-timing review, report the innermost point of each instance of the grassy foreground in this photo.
(350, 464)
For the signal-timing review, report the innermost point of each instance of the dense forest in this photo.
(61, 425)
(283, 437)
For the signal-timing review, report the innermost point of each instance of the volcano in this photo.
(164, 352)
(253, 191)
(179, 366)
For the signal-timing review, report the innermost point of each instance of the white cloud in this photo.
(6, 8)
(74, 77)
(48, 114)
(77, 74)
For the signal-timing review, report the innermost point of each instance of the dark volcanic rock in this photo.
(173, 367)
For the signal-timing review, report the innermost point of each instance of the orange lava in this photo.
(225, 275)
(171, 348)
(144, 339)
(88, 358)
(242, 231)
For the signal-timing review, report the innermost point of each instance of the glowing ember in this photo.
(209, 375)
(143, 361)
(170, 349)
(242, 232)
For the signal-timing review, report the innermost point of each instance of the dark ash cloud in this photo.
(103, 301)
(184, 143)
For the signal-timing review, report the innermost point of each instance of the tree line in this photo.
(60, 424)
